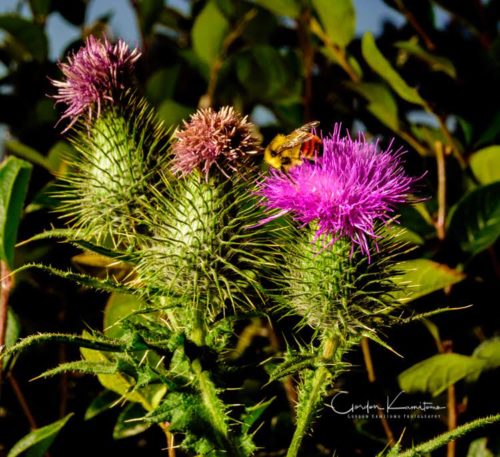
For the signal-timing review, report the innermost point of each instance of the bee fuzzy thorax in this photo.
(287, 151)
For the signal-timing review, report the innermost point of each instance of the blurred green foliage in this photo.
(284, 62)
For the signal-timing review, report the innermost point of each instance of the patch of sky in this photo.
(371, 15)
(422, 117)
(263, 116)
(441, 17)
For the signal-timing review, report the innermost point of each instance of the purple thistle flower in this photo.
(222, 138)
(344, 192)
(92, 76)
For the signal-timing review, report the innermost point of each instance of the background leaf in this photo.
(149, 10)
(172, 113)
(161, 84)
(208, 33)
(421, 277)
(478, 448)
(38, 441)
(338, 19)
(381, 103)
(435, 374)
(436, 63)
(28, 35)
(12, 333)
(14, 180)
(383, 67)
(28, 153)
(118, 307)
(128, 425)
(485, 164)
(289, 8)
(489, 352)
(102, 403)
(474, 223)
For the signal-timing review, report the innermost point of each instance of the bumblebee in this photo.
(287, 151)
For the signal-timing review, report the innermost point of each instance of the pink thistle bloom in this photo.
(222, 138)
(92, 77)
(344, 192)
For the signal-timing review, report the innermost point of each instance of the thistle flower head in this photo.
(222, 138)
(345, 192)
(93, 75)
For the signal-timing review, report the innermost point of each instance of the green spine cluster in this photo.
(114, 166)
(337, 290)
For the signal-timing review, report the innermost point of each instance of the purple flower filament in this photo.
(92, 76)
(344, 192)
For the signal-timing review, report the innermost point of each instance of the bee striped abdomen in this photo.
(311, 147)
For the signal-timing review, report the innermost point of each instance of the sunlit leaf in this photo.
(208, 33)
(437, 373)
(474, 222)
(485, 164)
(434, 331)
(129, 423)
(383, 67)
(252, 414)
(58, 157)
(381, 103)
(123, 385)
(38, 441)
(423, 276)
(14, 180)
(436, 63)
(478, 448)
(118, 307)
(100, 404)
(489, 352)
(12, 333)
(338, 19)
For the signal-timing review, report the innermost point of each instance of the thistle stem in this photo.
(217, 414)
(310, 397)
(213, 404)
(170, 439)
(5, 289)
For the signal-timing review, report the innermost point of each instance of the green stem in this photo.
(441, 440)
(198, 328)
(213, 404)
(310, 397)
(216, 411)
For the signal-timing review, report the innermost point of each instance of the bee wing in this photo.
(294, 139)
(309, 126)
(298, 136)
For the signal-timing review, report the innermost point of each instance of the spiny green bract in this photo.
(115, 165)
(203, 251)
(337, 291)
